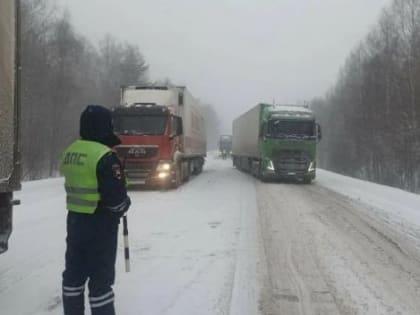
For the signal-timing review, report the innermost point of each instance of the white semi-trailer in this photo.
(9, 116)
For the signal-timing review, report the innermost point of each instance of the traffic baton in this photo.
(126, 247)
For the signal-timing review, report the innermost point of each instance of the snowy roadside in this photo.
(192, 250)
(397, 209)
(191, 247)
(31, 270)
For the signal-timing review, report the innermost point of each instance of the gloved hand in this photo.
(128, 204)
(122, 208)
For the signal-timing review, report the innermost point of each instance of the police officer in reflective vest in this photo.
(96, 199)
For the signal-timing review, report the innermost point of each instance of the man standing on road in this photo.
(96, 199)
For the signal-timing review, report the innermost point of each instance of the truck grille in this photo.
(286, 161)
(140, 151)
(139, 170)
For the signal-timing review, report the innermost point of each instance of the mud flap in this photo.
(6, 205)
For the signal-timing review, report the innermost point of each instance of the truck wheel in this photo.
(259, 173)
(187, 172)
(194, 167)
(262, 177)
(198, 167)
(307, 180)
(177, 179)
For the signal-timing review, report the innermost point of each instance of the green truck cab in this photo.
(276, 142)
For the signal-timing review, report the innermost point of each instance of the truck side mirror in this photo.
(263, 130)
(174, 122)
(318, 132)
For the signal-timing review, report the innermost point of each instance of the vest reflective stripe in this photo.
(77, 190)
(81, 202)
(78, 166)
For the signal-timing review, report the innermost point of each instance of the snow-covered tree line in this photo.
(62, 72)
(371, 117)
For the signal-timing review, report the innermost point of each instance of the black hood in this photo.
(96, 125)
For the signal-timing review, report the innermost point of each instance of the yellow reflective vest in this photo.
(78, 165)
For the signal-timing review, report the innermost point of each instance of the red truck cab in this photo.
(150, 136)
(162, 130)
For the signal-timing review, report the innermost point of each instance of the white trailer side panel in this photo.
(194, 124)
(245, 133)
(7, 88)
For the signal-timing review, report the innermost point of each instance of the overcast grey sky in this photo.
(236, 53)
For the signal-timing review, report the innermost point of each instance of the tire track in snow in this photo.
(347, 262)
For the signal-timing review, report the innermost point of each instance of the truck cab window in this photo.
(283, 128)
(140, 124)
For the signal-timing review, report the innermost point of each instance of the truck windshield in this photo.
(140, 124)
(277, 128)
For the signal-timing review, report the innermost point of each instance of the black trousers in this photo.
(90, 257)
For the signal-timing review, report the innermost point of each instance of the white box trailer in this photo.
(9, 115)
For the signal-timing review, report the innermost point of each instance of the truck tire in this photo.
(307, 180)
(261, 176)
(198, 166)
(193, 167)
(177, 180)
(187, 172)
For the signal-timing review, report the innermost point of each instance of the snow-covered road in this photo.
(325, 254)
(191, 249)
(225, 243)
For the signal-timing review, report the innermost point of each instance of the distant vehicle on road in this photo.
(225, 145)
(276, 142)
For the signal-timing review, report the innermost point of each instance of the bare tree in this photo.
(374, 109)
(62, 73)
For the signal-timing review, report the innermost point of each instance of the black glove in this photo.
(122, 208)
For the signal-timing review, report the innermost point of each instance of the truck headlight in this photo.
(164, 167)
(270, 166)
(163, 175)
(311, 167)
